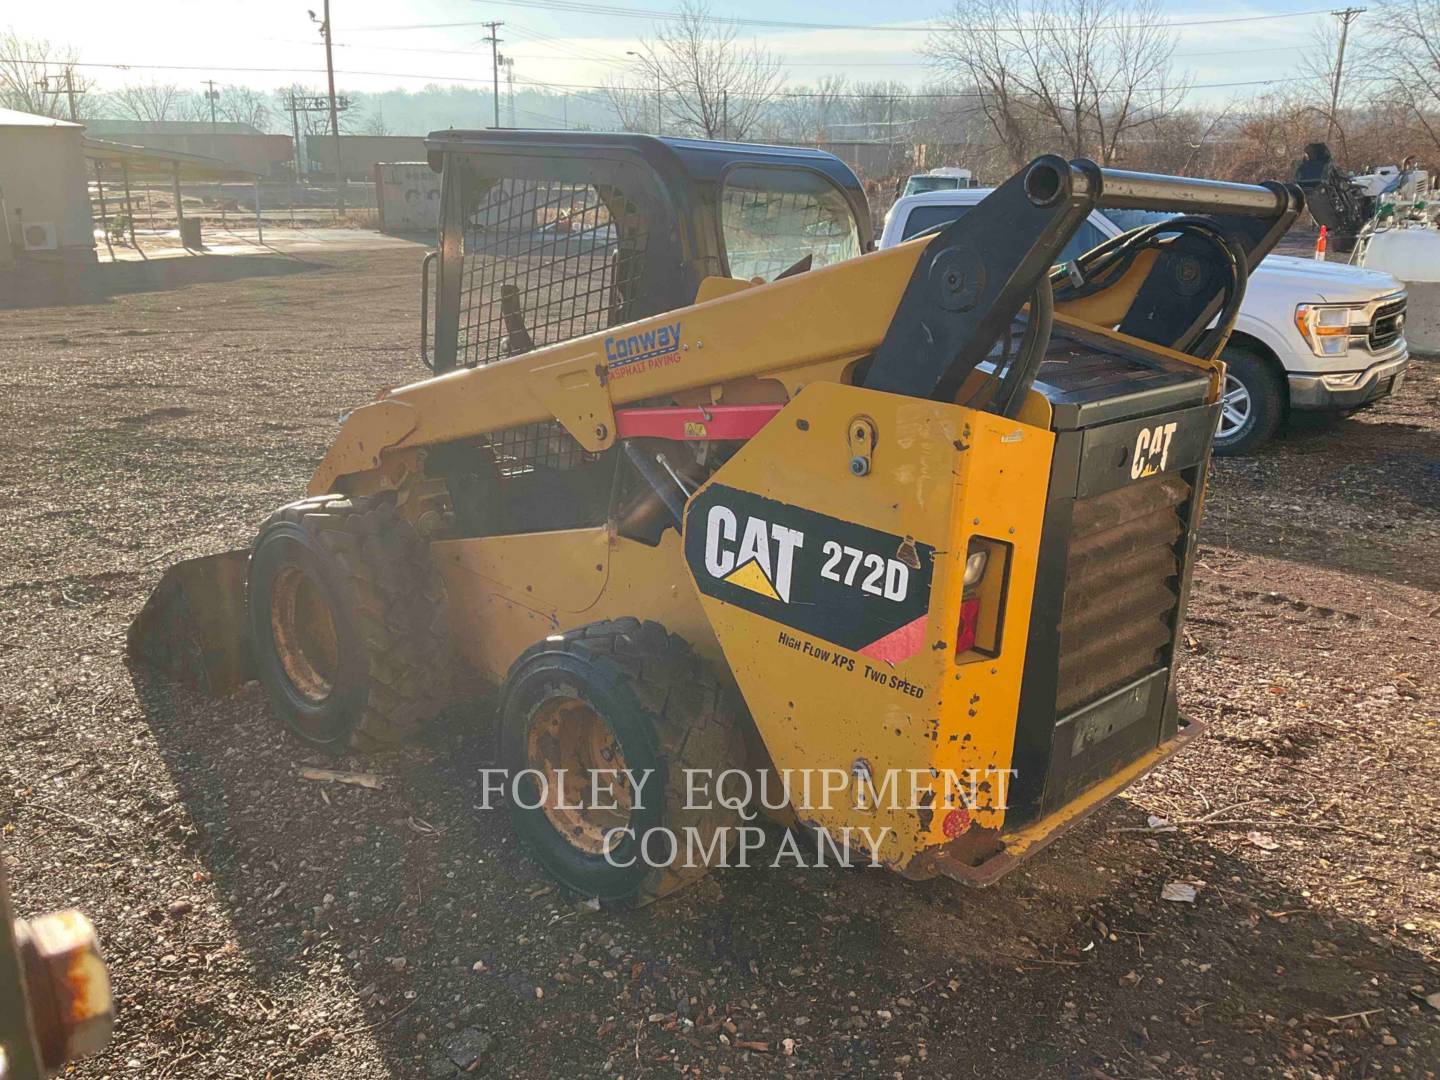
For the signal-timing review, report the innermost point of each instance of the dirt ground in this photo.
(259, 924)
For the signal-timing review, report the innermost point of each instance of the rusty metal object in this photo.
(55, 1001)
(69, 988)
(304, 631)
(957, 860)
(194, 627)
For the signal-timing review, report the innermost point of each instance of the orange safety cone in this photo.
(1320, 243)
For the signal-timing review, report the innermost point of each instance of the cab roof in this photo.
(680, 164)
(699, 159)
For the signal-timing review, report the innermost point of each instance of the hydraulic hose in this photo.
(1020, 373)
(1104, 265)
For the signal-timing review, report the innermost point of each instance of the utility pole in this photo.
(70, 92)
(509, 62)
(295, 147)
(295, 126)
(1346, 17)
(495, 64)
(327, 32)
(212, 95)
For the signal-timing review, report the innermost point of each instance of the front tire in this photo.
(347, 622)
(1252, 403)
(617, 695)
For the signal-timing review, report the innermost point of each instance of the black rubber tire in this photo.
(668, 713)
(1267, 401)
(387, 605)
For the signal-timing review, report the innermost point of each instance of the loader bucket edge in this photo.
(193, 627)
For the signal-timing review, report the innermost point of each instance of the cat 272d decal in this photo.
(857, 587)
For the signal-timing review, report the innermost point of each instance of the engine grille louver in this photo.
(1121, 587)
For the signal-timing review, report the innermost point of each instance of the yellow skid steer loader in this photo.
(713, 490)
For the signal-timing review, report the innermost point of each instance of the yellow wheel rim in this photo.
(304, 634)
(586, 793)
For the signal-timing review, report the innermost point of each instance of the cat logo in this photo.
(846, 583)
(760, 557)
(1152, 450)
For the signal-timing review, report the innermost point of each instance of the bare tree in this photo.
(32, 74)
(1188, 142)
(985, 64)
(635, 109)
(808, 114)
(244, 105)
(1270, 135)
(1076, 75)
(712, 84)
(1408, 58)
(153, 101)
(1318, 80)
(374, 122)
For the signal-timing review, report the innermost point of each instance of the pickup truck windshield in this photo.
(917, 184)
(924, 217)
(771, 218)
(927, 217)
(1134, 219)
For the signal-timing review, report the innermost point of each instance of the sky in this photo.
(386, 44)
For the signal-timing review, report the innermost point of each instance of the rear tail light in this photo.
(982, 602)
(969, 623)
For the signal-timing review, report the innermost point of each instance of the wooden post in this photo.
(129, 206)
(104, 214)
(259, 222)
(179, 208)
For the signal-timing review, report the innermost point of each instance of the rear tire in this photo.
(347, 622)
(1252, 403)
(612, 695)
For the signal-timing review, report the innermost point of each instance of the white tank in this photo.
(1412, 255)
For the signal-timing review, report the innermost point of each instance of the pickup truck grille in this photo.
(1121, 585)
(1387, 324)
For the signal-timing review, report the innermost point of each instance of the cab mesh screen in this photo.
(544, 261)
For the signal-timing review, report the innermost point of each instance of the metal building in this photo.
(44, 200)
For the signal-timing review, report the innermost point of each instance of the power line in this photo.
(563, 49)
(570, 48)
(584, 7)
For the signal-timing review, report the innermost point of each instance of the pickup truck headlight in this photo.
(1327, 328)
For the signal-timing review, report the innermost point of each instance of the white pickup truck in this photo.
(1310, 335)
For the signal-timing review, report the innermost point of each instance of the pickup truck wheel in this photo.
(1252, 403)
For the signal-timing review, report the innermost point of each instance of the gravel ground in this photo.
(259, 924)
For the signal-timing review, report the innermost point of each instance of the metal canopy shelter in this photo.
(149, 163)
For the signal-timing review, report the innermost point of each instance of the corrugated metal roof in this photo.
(102, 126)
(151, 161)
(11, 118)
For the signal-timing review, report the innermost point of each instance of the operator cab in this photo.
(560, 234)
